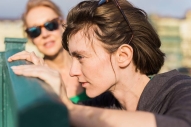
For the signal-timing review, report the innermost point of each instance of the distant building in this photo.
(175, 36)
(169, 32)
(185, 33)
(10, 28)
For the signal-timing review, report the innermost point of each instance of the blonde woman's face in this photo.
(48, 42)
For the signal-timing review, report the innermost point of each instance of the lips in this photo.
(84, 84)
(49, 44)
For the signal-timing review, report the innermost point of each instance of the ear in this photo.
(124, 55)
(63, 21)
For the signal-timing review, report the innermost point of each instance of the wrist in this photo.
(68, 103)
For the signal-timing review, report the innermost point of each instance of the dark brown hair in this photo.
(36, 3)
(111, 28)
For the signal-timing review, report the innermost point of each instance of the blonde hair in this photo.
(35, 3)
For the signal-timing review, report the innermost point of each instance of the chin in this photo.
(92, 94)
(51, 53)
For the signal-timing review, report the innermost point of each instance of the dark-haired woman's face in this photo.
(91, 64)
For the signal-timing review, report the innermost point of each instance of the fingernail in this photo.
(13, 67)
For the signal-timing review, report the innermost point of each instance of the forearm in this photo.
(84, 116)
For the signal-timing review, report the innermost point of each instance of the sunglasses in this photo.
(35, 31)
(101, 2)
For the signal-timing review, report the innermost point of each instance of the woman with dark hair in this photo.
(114, 48)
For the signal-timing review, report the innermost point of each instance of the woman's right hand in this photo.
(29, 56)
(50, 76)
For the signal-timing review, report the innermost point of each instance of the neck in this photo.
(129, 90)
(59, 61)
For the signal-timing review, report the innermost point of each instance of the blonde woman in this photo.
(43, 21)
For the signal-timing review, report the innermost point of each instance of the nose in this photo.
(75, 69)
(44, 32)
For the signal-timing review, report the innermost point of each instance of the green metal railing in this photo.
(27, 102)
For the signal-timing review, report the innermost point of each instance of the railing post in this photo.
(1, 89)
(15, 43)
(7, 102)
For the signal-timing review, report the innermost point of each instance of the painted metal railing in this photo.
(27, 102)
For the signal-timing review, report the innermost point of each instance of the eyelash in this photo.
(79, 57)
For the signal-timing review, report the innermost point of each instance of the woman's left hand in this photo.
(48, 75)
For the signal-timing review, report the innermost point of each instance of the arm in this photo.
(174, 109)
(84, 116)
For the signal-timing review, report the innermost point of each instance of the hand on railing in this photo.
(40, 70)
(50, 76)
(29, 56)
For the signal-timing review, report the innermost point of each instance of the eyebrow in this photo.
(76, 53)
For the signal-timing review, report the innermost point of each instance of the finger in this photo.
(41, 61)
(22, 67)
(11, 58)
(20, 57)
(29, 70)
(33, 70)
(48, 75)
(35, 59)
(29, 56)
(31, 66)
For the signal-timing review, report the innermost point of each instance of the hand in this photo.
(29, 56)
(48, 75)
(42, 71)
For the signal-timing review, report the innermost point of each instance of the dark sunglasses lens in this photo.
(102, 2)
(51, 25)
(34, 32)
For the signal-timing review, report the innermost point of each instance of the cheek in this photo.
(36, 41)
(57, 34)
(99, 70)
(101, 79)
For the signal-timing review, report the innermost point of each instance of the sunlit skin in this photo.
(99, 71)
(49, 44)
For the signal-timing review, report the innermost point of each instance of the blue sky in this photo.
(12, 9)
